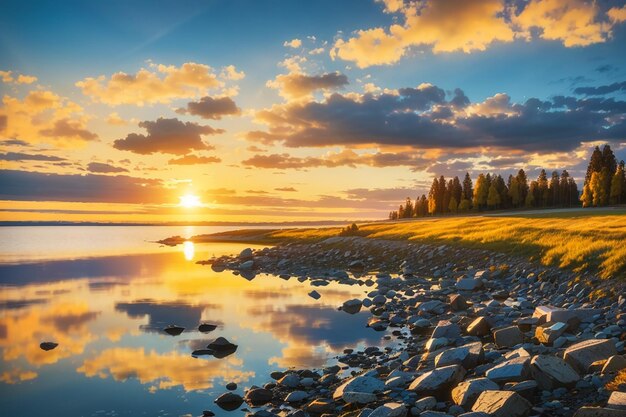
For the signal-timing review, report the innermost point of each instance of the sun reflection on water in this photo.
(189, 250)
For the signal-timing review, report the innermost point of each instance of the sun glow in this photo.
(190, 201)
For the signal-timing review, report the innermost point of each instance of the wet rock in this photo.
(552, 372)
(466, 393)
(296, 396)
(245, 254)
(582, 355)
(221, 344)
(229, 401)
(315, 295)
(289, 380)
(48, 345)
(207, 327)
(207, 413)
(502, 404)
(231, 386)
(352, 306)
(479, 327)
(508, 336)
(513, 370)
(258, 396)
(438, 382)
(173, 330)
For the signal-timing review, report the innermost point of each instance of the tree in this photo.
(480, 192)
(531, 196)
(542, 187)
(595, 164)
(452, 206)
(441, 195)
(514, 192)
(617, 185)
(564, 189)
(457, 189)
(587, 197)
(573, 191)
(468, 189)
(465, 205)
(597, 188)
(493, 198)
(555, 190)
(424, 205)
(408, 208)
(522, 181)
(432, 197)
(401, 212)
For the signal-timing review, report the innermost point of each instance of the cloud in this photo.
(37, 186)
(601, 90)
(102, 168)
(166, 136)
(194, 160)
(43, 115)
(421, 118)
(19, 156)
(158, 84)
(285, 189)
(211, 108)
(14, 142)
(332, 160)
(294, 43)
(8, 78)
(230, 73)
(468, 26)
(115, 120)
(297, 85)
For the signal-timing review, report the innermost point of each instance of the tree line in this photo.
(605, 184)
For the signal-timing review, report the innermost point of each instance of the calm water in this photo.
(105, 293)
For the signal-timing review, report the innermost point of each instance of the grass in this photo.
(593, 241)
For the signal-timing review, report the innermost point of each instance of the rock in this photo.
(231, 386)
(554, 314)
(356, 266)
(321, 406)
(206, 327)
(173, 330)
(258, 396)
(276, 375)
(513, 370)
(469, 284)
(617, 400)
(246, 265)
(552, 372)
(469, 356)
(358, 397)
(446, 329)
(479, 327)
(48, 345)
(359, 384)
(221, 344)
(549, 332)
(352, 306)
(289, 380)
(315, 295)
(424, 404)
(389, 410)
(466, 393)
(598, 412)
(296, 396)
(229, 401)
(614, 364)
(207, 413)
(458, 302)
(508, 336)
(436, 343)
(438, 382)
(583, 354)
(245, 254)
(502, 404)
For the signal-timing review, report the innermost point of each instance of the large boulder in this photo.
(513, 370)
(555, 314)
(352, 306)
(258, 396)
(479, 327)
(469, 284)
(469, 356)
(549, 332)
(583, 354)
(502, 404)
(466, 393)
(552, 372)
(446, 329)
(362, 384)
(321, 406)
(508, 336)
(438, 382)
(229, 401)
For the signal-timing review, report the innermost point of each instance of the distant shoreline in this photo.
(243, 224)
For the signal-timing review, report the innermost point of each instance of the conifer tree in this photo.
(514, 192)
(408, 208)
(587, 197)
(595, 164)
(542, 188)
(531, 196)
(522, 183)
(597, 189)
(468, 189)
(617, 185)
(480, 192)
(493, 197)
(564, 189)
(457, 189)
(555, 190)
(453, 206)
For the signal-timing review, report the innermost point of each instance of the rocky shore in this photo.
(478, 334)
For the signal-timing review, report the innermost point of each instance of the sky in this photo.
(269, 110)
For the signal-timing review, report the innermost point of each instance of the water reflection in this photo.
(108, 315)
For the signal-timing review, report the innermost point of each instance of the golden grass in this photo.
(595, 243)
(619, 380)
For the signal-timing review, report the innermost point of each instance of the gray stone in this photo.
(289, 380)
(599, 412)
(582, 355)
(479, 327)
(508, 336)
(315, 295)
(438, 382)
(469, 356)
(246, 265)
(502, 404)
(552, 372)
(245, 254)
(321, 406)
(513, 370)
(389, 410)
(258, 396)
(352, 306)
(466, 393)
(229, 401)
(469, 284)
(358, 397)
(617, 400)
(424, 404)
(446, 329)
(614, 364)
(549, 332)
(364, 384)
(296, 396)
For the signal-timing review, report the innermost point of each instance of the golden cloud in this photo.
(297, 85)
(617, 15)
(158, 84)
(17, 375)
(8, 78)
(163, 371)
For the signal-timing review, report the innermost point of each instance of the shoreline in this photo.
(465, 321)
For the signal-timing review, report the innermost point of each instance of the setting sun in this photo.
(190, 201)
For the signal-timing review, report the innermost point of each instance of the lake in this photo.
(105, 293)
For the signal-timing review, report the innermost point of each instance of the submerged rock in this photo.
(48, 345)
(173, 330)
(229, 401)
(206, 327)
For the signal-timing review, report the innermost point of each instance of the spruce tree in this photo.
(493, 197)
(522, 182)
(617, 185)
(555, 190)
(468, 189)
(480, 192)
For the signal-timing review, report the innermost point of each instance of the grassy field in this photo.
(593, 240)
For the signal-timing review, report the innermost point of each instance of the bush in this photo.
(352, 230)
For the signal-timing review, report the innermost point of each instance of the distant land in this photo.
(290, 223)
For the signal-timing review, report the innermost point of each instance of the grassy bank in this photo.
(585, 240)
